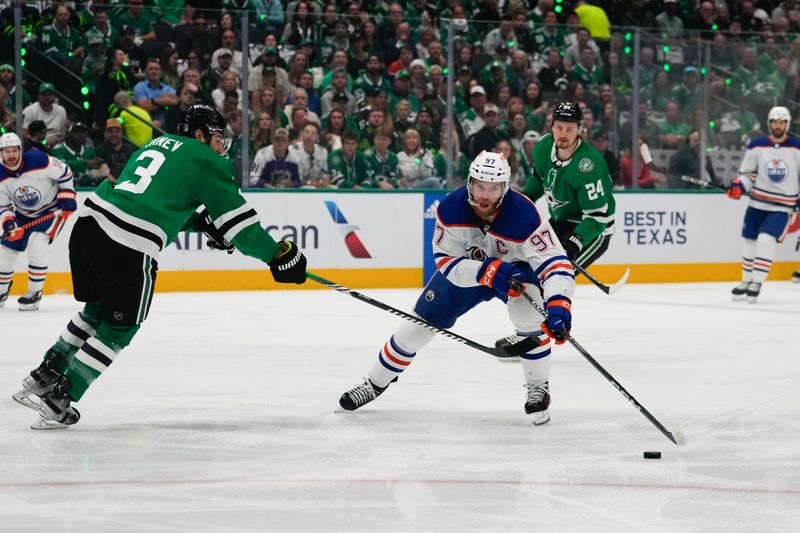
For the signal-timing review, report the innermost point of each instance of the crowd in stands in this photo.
(354, 93)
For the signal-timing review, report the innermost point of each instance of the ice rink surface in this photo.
(220, 417)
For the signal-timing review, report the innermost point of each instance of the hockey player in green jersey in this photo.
(114, 247)
(573, 178)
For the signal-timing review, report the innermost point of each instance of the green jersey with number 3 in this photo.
(162, 186)
(578, 190)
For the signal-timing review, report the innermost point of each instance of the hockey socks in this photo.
(765, 252)
(398, 352)
(748, 253)
(536, 363)
(96, 355)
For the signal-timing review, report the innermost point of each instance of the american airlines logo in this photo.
(348, 231)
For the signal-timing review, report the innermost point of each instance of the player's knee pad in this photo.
(411, 337)
(116, 337)
(38, 249)
(522, 314)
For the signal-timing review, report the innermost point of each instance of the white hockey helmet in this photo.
(779, 113)
(491, 167)
(10, 139)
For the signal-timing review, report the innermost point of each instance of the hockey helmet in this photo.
(10, 139)
(491, 167)
(206, 119)
(568, 112)
(779, 113)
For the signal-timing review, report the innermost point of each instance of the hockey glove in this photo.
(496, 273)
(66, 203)
(559, 319)
(735, 189)
(216, 239)
(573, 246)
(289, 264)
(12, 232)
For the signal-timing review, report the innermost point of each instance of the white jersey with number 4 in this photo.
(773, 173)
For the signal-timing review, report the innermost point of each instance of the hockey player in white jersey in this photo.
(769, 176)
(487, 235)
(32, 185)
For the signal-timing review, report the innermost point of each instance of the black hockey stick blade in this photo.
(608, 289)
(514, 350)
(676, 437)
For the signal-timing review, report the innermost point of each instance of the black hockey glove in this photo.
(289, 264)
(572, 246)
(216, 239)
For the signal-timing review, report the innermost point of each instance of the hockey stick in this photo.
(608, 289)
(514, 350)
(695, 181)
(676, 437)
(36, 221)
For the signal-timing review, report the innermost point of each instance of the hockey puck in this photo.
(652, 455)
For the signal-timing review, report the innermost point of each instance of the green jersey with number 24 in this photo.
(577, 190)
(159, 191)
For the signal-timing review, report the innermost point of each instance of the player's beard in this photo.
(566, 147)
(777, 136)
(12, 165)
(485, 208)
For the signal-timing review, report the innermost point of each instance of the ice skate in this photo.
(36, 384)
(796, 277)
(30, 301)
(752, 292)
(537, 402)
(4, 296)
(361, 395)
(740, 292)
(504, 343)
(55, 411)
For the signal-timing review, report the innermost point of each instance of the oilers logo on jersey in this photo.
(777, 170)
(27, 196)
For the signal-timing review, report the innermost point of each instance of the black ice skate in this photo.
(796, 277)
(38, 383)
(752, 292)
(739, 292)
(4, 296)
(55, 409)
(537, 402)
(30, 301)
(361, 395)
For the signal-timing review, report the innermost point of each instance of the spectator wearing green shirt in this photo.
(587, 72)
(382, 161)
(80, 156)
(95, 61)
(135, 17)
(460, 161)
(102, 28)
(672, 130)
(7, 82)
(347, 166)
(688, 94)
(61, 42)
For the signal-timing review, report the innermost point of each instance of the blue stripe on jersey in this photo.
(518, 217)
(765, 191)
(765, 142)
(544, 265)
(452, 264)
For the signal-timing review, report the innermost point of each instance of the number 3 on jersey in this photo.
(145, 173)
(594, 190)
